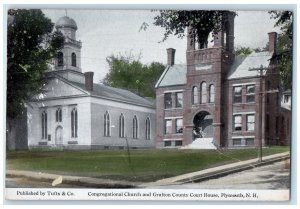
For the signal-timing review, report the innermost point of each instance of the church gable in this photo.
(58, 88)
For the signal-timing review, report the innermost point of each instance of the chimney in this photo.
(272, 42)
(89, 80)
(171, 56)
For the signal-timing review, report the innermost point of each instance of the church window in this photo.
(203, 92)
(237, 94)
(58, 115)
(237, 122)
(250, 96)
(168, 100)
(44, 125)
(179, 99)
(73, 59)
(195, 98)
(148, 125)
(106, 124)
(60, 59)
(135, 127)
(121, 126)
(211, 93)
(74, 123)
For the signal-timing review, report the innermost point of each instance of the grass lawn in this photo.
(142, 165)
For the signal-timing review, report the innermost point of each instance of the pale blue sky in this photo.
(107, 32)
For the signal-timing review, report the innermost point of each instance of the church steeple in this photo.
(69, 58)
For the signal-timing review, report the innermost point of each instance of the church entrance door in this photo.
(203, 127)
(59, 135)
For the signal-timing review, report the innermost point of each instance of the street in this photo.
(272, 176)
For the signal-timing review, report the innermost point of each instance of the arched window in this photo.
(73, 59)
(121, 126)
(106, 124)
(74, 123)
(195, 98)
(211, 93)
(58, 115)
(135, 127)
(44, 125)
(60, 59)
(148, 125)
(203, 93)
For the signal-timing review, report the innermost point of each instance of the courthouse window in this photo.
(179, 99)
(168, 126)
(237, 122)
(211, 93)
(250, 122)
(195, 97)
(237, 94)
(250, 96)
(178, 127)
(168, 100)
(203, 92)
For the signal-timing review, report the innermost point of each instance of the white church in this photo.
(75, 113)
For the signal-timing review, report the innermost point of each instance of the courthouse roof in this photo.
(246, 66)
(172, 76)
(116, 94)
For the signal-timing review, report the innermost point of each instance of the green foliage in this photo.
(131, 74)
(30, 46)
(284, 54)
(202, 21)
(243, 51)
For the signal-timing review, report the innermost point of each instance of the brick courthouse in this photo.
(218, 93)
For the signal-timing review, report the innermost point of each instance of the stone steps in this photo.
(201, 143)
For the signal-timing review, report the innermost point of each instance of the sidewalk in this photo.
(214, 172)
(219, 171)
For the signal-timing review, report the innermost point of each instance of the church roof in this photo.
(173, 75)
(117, 94)
(243, 63)
(66, 21)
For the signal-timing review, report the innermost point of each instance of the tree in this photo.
(284, 55)
(129, 73)
(203, 22)
(31, 44)
(243, 51)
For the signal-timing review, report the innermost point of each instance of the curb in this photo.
(226, 172)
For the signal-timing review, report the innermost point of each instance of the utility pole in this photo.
(260, 102)
(260, 97)
(260, 115)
